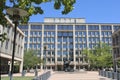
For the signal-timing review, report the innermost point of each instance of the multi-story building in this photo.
(116, 47)
(6, 48)
(65, 39)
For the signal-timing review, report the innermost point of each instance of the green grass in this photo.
(17, 78)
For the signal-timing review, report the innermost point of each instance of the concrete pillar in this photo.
(74, 51)
(42, 46)
(56, 47)
(21, 66)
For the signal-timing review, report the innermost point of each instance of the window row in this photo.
(36, 27)
(65, 27)
(65, 34)
(80, 33)
(35, 39)
(35, 33)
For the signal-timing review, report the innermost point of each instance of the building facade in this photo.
(6, 49)
(116, 48)
(65, 39)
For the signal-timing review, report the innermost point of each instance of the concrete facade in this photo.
(6, 48)
(116, 44)
(116, 49)
(65, 39)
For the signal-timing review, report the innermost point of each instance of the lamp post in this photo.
(45, 47)
(16, 13)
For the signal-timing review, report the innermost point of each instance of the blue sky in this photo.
(98, 11)
(94, 11)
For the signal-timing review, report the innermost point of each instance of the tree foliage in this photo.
(31, 59)
(100, 56)
(33, 7)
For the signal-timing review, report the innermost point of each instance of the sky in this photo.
(94, 11)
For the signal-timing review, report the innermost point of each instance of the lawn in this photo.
(17, 78)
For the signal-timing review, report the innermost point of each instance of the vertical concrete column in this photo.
(112, 28)
(42, 46)
(100, 33)
(87, 36)
(22, 54)
(56, 47)
(74, 51)
(21, 66)
(29, 29)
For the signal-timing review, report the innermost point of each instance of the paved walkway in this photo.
(91, 75)
(61, 75)
(27, 74)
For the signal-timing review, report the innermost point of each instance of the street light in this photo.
(16, 13)
(45, 47)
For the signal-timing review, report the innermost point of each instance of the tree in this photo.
(99, 57)
(31, 59)
(33, 7)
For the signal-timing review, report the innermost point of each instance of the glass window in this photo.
(25, 45)
(39, 39)
(39, 45)
(45, 39)
(64, 39)
(59, 39)
(23, 26)
(64, 53)
(31, 39)
(26, 33)
(116, 27)
(35, 39)
(59, 53)
(31, 33)
(30, 45)
(36, 27)
(40, 33)
(49, 27)
(70, 39)
(45, 33)
(70, 34)
(35, 46)
(64, 45)
(59, 46)
(49, 39)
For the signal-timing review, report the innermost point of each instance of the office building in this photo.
(6, 49)
(116, 49)
(65, 39)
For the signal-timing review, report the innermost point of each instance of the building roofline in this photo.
(64, 17)
(72, 23)
(14, 25)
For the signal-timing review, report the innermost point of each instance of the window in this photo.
(31, 33)
(80, 27)
(31, 39)
(93, 27)
(70, 39)
(39, 39)
(106, 27)
(26, 39)
(30, 45)
(64, 39)
(36, 26)
(39, 45)
(49, 27)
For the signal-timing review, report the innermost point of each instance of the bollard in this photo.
(23, 72)
(36, 72)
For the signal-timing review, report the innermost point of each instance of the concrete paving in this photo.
(27, 74)
(90, 75)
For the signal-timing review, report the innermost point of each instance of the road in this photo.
(90, 75)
